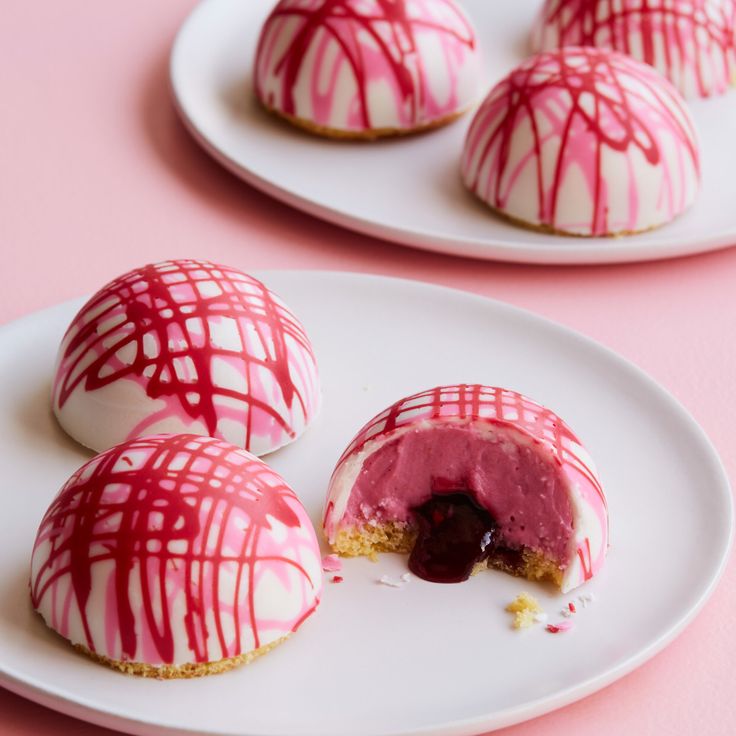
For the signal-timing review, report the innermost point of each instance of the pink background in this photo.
(98, 176)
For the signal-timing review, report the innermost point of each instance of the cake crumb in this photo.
(525, 609)
(524, 619)
(406, 577)
(386, 580)
(331, 563)
(337, 578)
(559, 628)
(586, 598)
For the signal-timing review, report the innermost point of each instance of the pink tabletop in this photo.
(98, 176)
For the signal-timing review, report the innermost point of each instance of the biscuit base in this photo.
(549, 230)
(187, 670)
(369, 540)
(372, 134)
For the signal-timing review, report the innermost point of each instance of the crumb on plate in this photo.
(526, 610)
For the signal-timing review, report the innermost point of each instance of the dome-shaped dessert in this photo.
(470, 476)
(186, 346)
(691, 42)
(175, 556)
(585, 142)
(367, 68)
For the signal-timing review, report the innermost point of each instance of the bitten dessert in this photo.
(691, 42)
(467, 477)
(367, 68)
(186, 346)
(175, 556)
(586, 142)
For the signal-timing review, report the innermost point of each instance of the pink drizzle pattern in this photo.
(173, 549)
(361, 65)
(498, 406)
(584, 141)
(691, 42)
(214, 344)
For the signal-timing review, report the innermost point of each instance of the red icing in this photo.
(317, 16)
(559, 628)
(585, 560)
(163, 505)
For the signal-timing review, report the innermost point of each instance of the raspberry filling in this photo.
(454, 533)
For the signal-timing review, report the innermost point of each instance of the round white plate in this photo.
(425, 658)
(409, 190)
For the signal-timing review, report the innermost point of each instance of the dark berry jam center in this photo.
(454, 533)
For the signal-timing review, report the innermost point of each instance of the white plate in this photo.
(409, 190)
(427, 658)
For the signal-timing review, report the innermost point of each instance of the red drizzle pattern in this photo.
(389, 25)
(162, 318)
(175, 514)
(591, 101)
(678, 37)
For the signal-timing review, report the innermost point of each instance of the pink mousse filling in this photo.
(509, 475)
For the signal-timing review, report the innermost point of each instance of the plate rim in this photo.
(82, 708)
(576, 251)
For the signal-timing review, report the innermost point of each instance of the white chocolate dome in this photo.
(175, 555)
(364, 68)
(186, 346)
(691, 42)
(586, 142)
